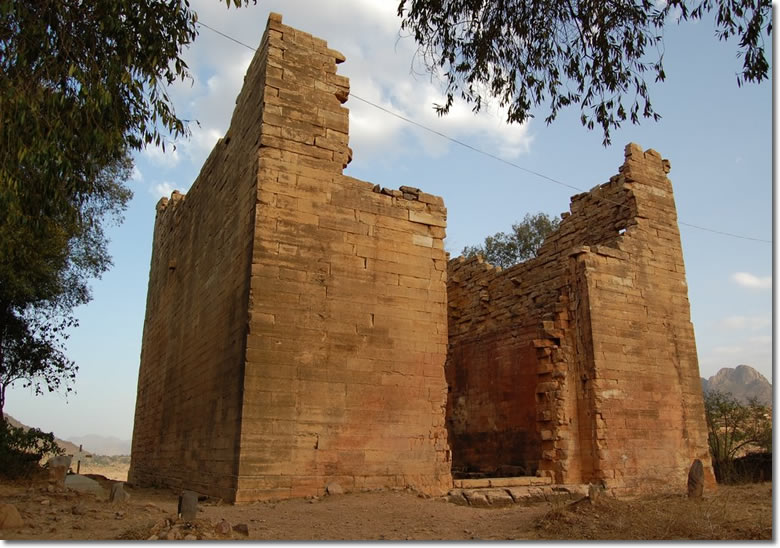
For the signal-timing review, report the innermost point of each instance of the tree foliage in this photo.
(591, 53)
(82, 85)
(45, 268)
(527, 236)
(735, 428)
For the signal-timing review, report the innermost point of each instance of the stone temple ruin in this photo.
(304, 327)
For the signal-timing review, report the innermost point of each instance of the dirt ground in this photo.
(739, 512)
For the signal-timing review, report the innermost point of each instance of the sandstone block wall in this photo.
(304, 327)
(311, 306)
(598, 327)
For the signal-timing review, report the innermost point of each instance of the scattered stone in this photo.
(241, 528)
(45, 502)
(50, 488)
(188, 505)
(223, 527)
(119, 515)
(334, 488)
(190, 537)
(153, 537)
(10, 517)
(696, 479)
(173, 534)
(118, 494)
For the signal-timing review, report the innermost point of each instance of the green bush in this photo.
(22, 450)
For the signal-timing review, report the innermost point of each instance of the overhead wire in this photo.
(488, 154)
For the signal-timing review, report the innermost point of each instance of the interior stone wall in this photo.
(604, 308)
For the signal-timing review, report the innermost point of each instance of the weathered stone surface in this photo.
(223, 528)
(118, 494)
(188, 505)
(476, 498)
(241, 529)
(10, 517)
(498, 498)
(298, 322)
(334, 488)
(696, 479)
(580, 364)
(84, 484)
(295, 330)
(455, 496)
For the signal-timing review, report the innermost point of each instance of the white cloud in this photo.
(745, 322)
(136, 175)
(751, 281)
(169, 158)
(161, 190)
(760, 339)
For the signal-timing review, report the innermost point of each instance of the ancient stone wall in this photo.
(313, 346)
(347, 340)
(598, 327)
(298, 322)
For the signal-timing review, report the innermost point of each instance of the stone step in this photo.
(501, 497)
(519, 481)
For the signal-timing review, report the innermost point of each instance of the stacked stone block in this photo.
(598, 327)
(328, 363)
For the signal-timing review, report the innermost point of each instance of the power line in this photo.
(488, 154)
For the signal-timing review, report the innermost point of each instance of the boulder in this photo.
(241, 528)
(223, 528)
(334, 488)
(10, 517)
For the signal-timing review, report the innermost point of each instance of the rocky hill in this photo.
(743, 382)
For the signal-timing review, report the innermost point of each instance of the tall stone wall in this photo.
(315, 301)
(347, 341)
(597, 327)
(190, 382)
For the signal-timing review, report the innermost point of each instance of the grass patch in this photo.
(734, 512)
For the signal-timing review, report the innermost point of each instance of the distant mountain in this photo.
(68, 447)
(742, 382)
(103, 445)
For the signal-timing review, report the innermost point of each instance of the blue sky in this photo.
(717, 136)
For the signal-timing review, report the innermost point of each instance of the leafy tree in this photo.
(733, 428)
(592, 53)
(521, 244)
(44, 273)
(82, 85)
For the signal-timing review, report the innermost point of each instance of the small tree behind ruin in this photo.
(522, 243)
(735, 429)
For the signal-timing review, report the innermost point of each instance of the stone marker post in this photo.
(696, 479)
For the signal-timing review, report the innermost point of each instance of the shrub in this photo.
(22, 450)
